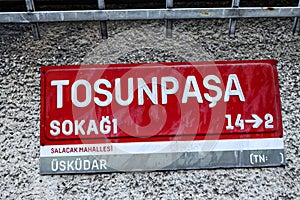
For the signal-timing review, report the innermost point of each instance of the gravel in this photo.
(193, 40)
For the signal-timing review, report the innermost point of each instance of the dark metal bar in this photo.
(296, 26)
(35, 27)
(232, 22)
(145, 14)
(103, 24)
(169, 22)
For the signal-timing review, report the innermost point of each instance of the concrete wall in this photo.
(73, 43)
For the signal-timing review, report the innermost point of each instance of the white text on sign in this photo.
(256, 122)
(169, 86)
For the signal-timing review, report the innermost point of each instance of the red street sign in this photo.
(161, 101)
(125, 103)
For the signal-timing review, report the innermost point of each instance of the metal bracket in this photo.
(296, 26)
(103, 24)
(169, 14)
(232, 22)
(34, 26)
(169, 22)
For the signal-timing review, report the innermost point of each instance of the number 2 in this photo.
(269, 121)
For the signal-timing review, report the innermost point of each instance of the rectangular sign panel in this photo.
(160, 116)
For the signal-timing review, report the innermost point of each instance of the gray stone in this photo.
(193, 40)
